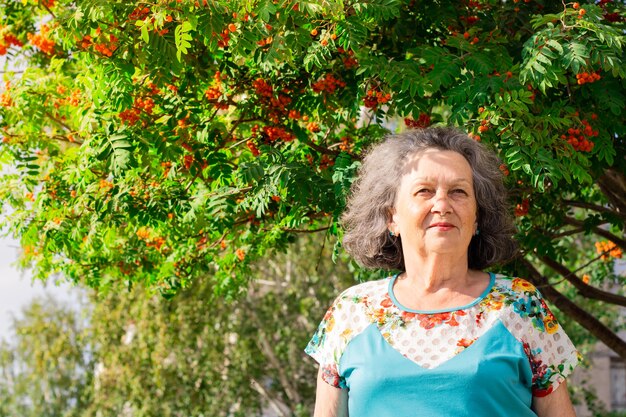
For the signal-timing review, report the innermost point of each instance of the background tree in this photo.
(47, 368)
(163, 142)
(138, 354)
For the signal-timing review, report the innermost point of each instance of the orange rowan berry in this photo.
(504, 169)
(232, 27)
(576, 5)
(422, 121)
(241, 255)
(314, 32)
(522, 209)
(313, 127)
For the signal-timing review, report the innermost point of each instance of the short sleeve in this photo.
(551, 354)
(339, 325)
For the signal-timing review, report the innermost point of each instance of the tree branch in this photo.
(598, 231)
(594, 207)
(568, 233)
(271, 400)
(592, 324)
(266, 347)
(585, 290)
(320, 149)
(613, 185)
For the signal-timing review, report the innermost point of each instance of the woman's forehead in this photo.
(435, 163)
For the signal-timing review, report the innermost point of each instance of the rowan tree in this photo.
(160, 143)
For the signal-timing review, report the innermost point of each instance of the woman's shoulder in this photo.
(364, 292)
(514, 287)
(368, 287)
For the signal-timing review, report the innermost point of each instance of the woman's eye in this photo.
(459, 191)
(423, 191)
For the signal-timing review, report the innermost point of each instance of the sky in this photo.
(17, 289)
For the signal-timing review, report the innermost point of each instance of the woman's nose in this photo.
(441, 203)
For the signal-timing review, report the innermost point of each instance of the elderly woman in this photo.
(442, 338)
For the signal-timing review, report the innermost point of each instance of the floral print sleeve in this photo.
(551, 354)
(343, 320)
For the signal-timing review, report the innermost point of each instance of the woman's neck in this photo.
(439, 282)
(437, 272)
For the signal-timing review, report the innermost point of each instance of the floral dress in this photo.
(487, 358)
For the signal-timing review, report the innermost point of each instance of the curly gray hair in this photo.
(373, 194)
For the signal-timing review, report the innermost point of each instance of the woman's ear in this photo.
(392, 224)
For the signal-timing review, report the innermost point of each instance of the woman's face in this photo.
(435, 208)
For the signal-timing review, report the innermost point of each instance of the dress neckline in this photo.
(392, 281)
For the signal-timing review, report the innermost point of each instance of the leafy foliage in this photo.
(167, 142)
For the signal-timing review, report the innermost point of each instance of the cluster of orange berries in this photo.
(608, 249)
(72, 100)
(105, 185)
(349, 61)
(252, 146)
(474, 40)
(145, 234)
(313, 127)
(423, 120)
(587, 77)
(241, 255)
(328, 84)
(504, 169)
(273, 133)
(375, 97)
(278, 105)
(581, 12)
(139, 13)
(214, 93)
(106, 47)
(7, 40)
(5, 97)
(280, 102)
(46, 3)
(522, 209)
(188, 161)
(346, 144)
(262, 88)
(326, 162)
(166, 165)
(41, 40)
(144, 104)
(483, 126)
(579, 138)
(129, 116)
(225, 39)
